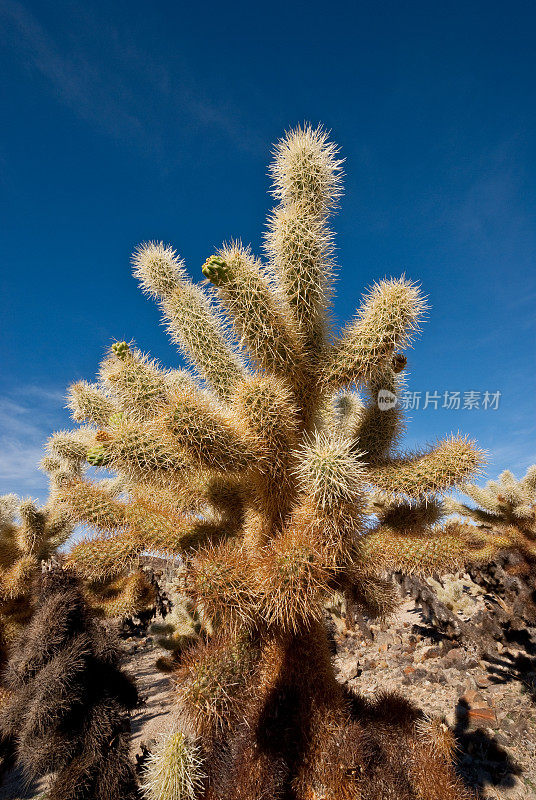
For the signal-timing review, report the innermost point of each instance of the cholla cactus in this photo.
(256, 468)
(506, 505)
(69, 702)
(122, 590)
(174, 769)
(28, 535)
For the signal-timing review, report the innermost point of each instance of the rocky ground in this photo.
(487, 698)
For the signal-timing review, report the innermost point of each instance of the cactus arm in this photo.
(206, 433)
(424, 474)
(89, 403)
(190, 320)
(138, 385)
(261, 320)
(425, 554)
(378, 430)
(388, 319)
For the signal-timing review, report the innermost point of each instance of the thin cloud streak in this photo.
(110, 98)
(24, 427)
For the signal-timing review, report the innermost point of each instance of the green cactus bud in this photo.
(96, 456)
(116, 419)
(216, 270)
(121, 349)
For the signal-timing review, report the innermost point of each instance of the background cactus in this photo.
(256, 468)
(28, 534)
(69, 701)
(507, 506)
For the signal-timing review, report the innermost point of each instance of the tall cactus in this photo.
(256, 467)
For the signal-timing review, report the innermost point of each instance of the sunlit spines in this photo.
(71, 446)
(424, 474)
(219, 580)
(301, 253)
(158, 269)
(211, 682)
(260, 319)
(265, 409)
(291, 581)
(145, 453)
(8, 508)
(388, 319)
(329, 470)
(332, 506)
(33, 528)
(528, 482)
(88, 503)
(89, 403)
(426, 553)
(306, 171)
(507, 506)
(206, 433)
(16, 580)
(194, 324)
(174, 769)
(104, 556)
(135, 381)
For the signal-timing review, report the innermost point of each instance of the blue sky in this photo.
(129, 121)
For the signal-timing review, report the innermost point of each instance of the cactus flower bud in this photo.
(121, 349)
(215, 269)
(96, 456)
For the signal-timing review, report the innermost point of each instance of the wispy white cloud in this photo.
(27, 417)
(117, 85)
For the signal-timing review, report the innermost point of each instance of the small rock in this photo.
(417, 676)
(482, 714)
(431, 652)
(436, 677)
(473, 698)
(454, 657)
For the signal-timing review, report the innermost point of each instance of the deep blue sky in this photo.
(124, 121)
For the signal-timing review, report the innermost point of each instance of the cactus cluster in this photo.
(256, 466)
(28, 535)
(507, 506)
(69, 699)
